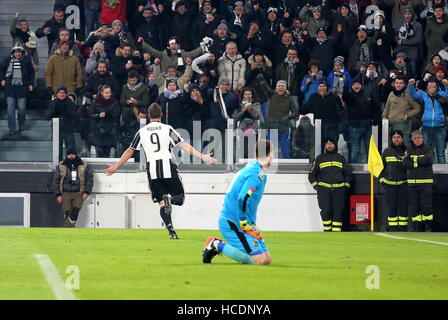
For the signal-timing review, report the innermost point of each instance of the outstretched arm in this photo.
(192, 151)
(112, 168)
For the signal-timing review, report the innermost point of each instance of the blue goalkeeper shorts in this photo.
(241, 240)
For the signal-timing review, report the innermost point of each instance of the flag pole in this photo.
(371, 204)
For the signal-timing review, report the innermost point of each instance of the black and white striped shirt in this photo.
(157, 140)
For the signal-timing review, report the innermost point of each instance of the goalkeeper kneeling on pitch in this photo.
(237, 221)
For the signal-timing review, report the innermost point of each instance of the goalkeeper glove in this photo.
(250, 230)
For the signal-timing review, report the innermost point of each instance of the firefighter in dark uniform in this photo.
(394, 180)
(418, 161)
(331, 177)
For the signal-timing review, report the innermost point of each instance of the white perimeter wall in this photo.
(123, 201)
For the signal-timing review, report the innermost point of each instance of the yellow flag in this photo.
(375, 163)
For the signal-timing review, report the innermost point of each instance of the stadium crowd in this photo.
(264, 63)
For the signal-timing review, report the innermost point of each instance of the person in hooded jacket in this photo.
(173, 104)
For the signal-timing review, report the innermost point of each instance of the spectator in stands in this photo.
(260, 69)
(400, 109)
(173, 104)
(281, 50)
(101, 76)
(361, 50)
(436, 31)
(64, 69)
(315, 18)
(223, 104)
(92, 13)
(17, 77)
(327, 106)
(51, 27)
(173, 55)
(97, 55)
(232, 66)
(254, 38)
(433, 66)
(205, 22)
(349, 22)
(409, 37)
(237, 19)
(339, 79)
(291, 70)
(401, 66)
(323, 48)
(399, 6)
(149, 26)
(272, 23)
(430, 8)
(282, 110)
(105, 35)
(112, 10)
(179, 23)
(121, 64)
(23, 36)
(134, 97)
(208, 64)
(196, 110)
(249, 115)
(221, 37)
(105, 114)
(65, 109)
(152, 87)
(119, 32)
(161, 79)
(72, 184)
(383, 40)
(360, 112)
(311, 80)
(65, 35)
(433, 119)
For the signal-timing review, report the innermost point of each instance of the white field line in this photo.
(402, 238)
(53, 278)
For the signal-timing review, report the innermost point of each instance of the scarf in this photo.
(400, 66)
(290, 66)
(170, 95)
(100, 99)
(321, 41)
(398, 92)
(406, 31)
(317, 76)
(134, 88)
(15, 70)
(237, 20)
(338, 82)
(111, 3)
(364, 54)
(217, 97)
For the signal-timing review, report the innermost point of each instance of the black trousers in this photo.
(397, 203)
(420, 202)
(331, 203)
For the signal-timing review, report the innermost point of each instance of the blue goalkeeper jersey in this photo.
(244, 194)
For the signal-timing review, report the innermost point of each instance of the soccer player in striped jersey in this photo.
(245, 243)
(158, 140)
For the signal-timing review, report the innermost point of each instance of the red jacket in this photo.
(113, 10)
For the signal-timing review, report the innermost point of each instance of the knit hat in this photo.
(271, 9)
(98, 45)
(17, 47)
(281, 82)
(258, 52)
(193, 86)
(63, 42)
(322, 81)
(148, 8)
(345, 5)
(223, 25)
(339, 59)
(71, 150)
(117, 21)
(238, 3)
(322, 29)
(357, 79)
(316, 9)
(440, 68)
(379, 13)
(331, 140)
(362, 28)
(63, 88)
(401, 54)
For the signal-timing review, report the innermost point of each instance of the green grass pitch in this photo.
(145, 264)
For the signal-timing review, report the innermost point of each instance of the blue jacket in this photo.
(433, 115)
(347, 80)
(244, 194)
(310, 88)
